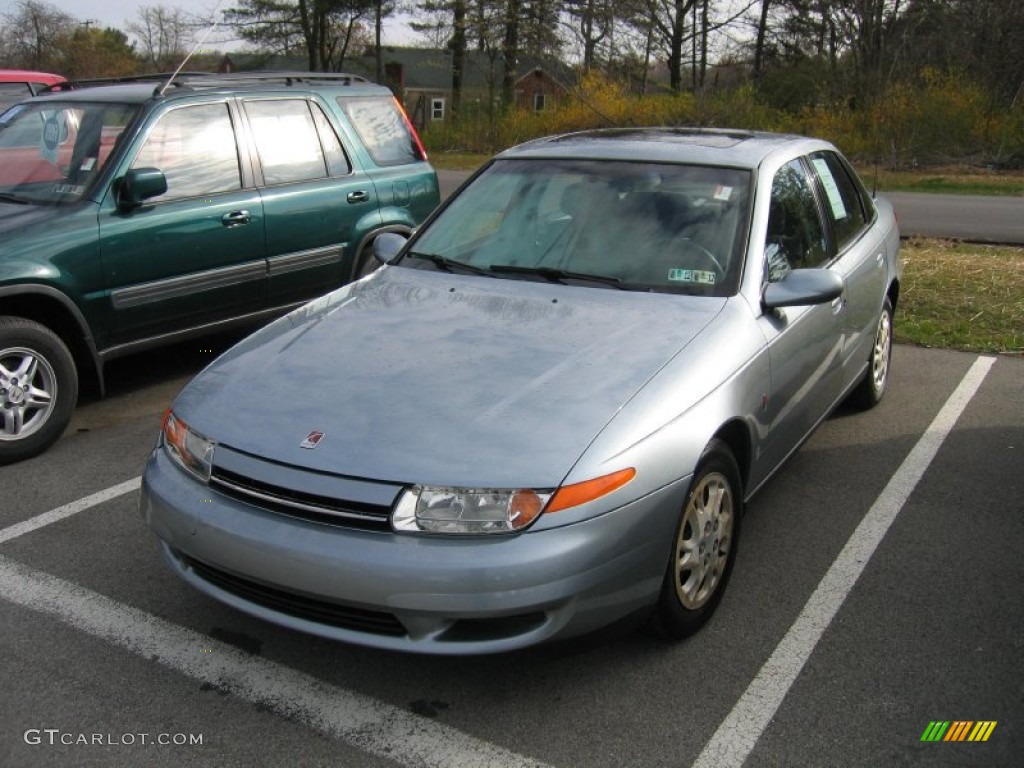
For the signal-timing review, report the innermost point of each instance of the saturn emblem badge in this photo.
(312, 439)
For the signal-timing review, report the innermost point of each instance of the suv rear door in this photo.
(194, 255)
(316, 202)
(394, 158)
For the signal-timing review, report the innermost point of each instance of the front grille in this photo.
(305, 506)
(299, 606)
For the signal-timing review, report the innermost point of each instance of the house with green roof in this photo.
(422, 78)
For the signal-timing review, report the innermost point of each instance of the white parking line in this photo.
(54, 515)
(376, 727)
(736, 737)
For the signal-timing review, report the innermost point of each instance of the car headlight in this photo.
(187, 448)
(428, 509)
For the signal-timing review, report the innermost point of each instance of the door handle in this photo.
(235, 218)
(358, 197)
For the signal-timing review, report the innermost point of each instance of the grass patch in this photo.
(947, 180)
(961, 296)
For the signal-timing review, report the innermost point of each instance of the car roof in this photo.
(141, 88)
(121, 94)
(704, 146)
(28, 76)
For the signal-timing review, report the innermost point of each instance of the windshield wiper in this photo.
(8, 197)
(558, 275)
(448, 265)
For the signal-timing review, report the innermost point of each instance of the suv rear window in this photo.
(384, 130)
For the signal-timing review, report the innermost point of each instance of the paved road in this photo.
(98, 638)
(960, 217)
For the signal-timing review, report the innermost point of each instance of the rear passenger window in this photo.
(195, 148)
(286, 140)
(384, 130)
(337, 160)
(841, 198)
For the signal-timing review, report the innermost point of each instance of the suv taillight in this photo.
(421, 151)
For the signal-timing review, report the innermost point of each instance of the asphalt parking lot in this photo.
(820, 654)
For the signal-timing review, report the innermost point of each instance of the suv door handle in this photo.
(235, 218)
(358, 197)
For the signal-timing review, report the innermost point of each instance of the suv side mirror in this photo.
(140, 184)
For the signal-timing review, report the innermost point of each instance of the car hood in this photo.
(426, 377)
(15, 216)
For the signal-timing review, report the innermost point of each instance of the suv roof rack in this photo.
(212, 79)
(94, 82)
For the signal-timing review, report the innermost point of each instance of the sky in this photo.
(115, 13)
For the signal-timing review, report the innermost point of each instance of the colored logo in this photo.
(312, 440)
(958, 730)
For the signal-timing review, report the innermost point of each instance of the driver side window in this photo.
(195, 148)
(795, 237)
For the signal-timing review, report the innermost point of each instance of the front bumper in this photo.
(428, 594)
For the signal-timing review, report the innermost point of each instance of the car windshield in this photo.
(628, 225)
(51, 153)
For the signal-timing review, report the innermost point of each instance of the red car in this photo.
(18, 84)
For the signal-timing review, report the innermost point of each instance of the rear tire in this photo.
(872, 387)
(704, 548)
(38, 388)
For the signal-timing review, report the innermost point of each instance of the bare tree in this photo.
(762, 30)
(591, 23)
(324, 30)
(163, 35)
(35, 35)
(510, 52)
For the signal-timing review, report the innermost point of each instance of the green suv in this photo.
(138, 212)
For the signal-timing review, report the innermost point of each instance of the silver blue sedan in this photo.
(546, 411)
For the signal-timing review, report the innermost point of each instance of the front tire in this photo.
(38, 388)
(704, 548)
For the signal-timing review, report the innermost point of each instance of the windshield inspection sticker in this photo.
(68, 189)
(722, 193)
(691, 276)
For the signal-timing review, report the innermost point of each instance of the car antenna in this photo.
(195, 47)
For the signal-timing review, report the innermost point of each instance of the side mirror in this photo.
(802, 287)
(140, 184)
(387, 245)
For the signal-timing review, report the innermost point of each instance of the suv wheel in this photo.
(38, 388)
